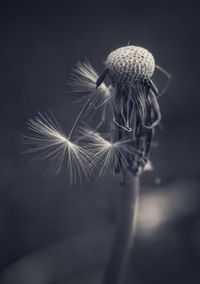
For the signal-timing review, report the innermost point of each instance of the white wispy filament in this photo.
(83, 80)
(47, 141)
(106, 153)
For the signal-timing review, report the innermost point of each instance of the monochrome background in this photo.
(40, 42)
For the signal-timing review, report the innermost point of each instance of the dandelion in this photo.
(126, 115)
(135, 114)
(135, 107)
(127, 110)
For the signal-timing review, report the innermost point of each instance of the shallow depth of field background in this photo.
(40, 42)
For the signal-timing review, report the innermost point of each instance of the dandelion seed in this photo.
(108, 154)
(47, 141)
(103, 150)
(83, 80)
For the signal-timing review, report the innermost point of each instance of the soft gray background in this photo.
(40, 42)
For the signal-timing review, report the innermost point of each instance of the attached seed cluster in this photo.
(129, 64)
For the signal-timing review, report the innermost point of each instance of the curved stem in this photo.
(126, 215)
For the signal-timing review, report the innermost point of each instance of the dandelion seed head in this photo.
(129, 64)
(135, 109)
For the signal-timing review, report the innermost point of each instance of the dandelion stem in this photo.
(126, 215)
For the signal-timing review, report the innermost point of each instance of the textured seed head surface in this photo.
(129, 64)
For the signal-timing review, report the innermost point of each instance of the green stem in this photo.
(127, 207)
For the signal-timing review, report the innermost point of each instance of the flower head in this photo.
(130, 63)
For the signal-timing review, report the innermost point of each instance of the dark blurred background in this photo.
(40, 42)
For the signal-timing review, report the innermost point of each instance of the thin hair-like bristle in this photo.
(83, 80)
(106, 153)
(46, 140)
